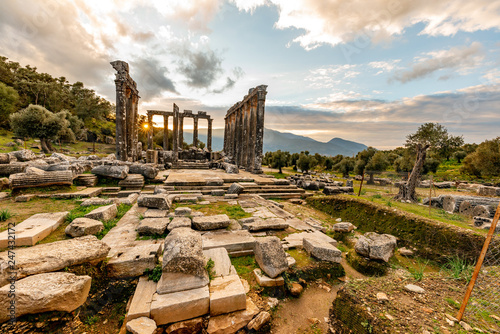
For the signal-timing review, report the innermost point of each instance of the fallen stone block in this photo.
(322, 250)
(140, 306)
(155, 213)
(235, 188)
(34, 229)
(97, 201)
(103, 213)
(35, 177)
(343, 227)
(205, 223)
(376, 246)
(133, 261)
(270, 256)
(24, 155)
(227, 294)
(159, 201)
(130, 200)
(183, 262)
(83, 226)
(141, 325)
(222, 262)
(24, 198)
(116, 172)
(267, 224)
(259, 321)
(186, 327)
(266, 281)
(231, 196)
(152, 226)
(53, 256)
(232, 241)
(295, 240)
(178, 306)
(148, 171)
(45, 292)
(182, 211)
(234, 321)
(179, 222)
(218, 192)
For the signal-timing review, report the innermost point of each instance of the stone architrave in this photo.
(127, 107)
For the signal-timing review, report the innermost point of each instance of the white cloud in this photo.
(337, 21)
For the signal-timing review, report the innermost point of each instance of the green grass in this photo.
(232, 211)
(452, 302)
(459, 269)
(244, 265)
(108, 225)
(5, 214)
(301, 257)
(277, 175)
(417, 272)
(154, 274)
(79, 212)
(210, 269)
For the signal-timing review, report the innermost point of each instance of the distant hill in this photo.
(275, 140)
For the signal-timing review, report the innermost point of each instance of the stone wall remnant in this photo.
(244, 130)
(127, 108)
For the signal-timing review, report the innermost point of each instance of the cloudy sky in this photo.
(370, 71)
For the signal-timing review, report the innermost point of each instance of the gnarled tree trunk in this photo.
(407, 190)
(43, 144)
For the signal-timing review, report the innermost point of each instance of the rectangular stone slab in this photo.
(34, 229)
(232, 241)
(180, 306)
(227, 294)
(266, 281)
(132, 261)
(295, 240)
(141, 302)
(155, 213)
(222, 262)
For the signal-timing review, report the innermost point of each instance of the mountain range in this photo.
(276, 140)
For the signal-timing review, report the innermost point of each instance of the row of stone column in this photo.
(244, 130)
(178, 127)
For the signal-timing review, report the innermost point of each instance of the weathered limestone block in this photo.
(4, 183)
(132, 181)
(343, 227)
(376, 246)
(140, 306)
(182, 211)
(232, 241)
(24, 155)
(159, 201)
(4, 158)
(155, 213)
(62, 157)
(322, 250)
(332, 190)
(178, 306)
(266, 281)
(232, 322)
(151, 226)
(116, 172)
(130, 200)
(183, 262)
(186, 327)
(235, 188)
(103, 213)
(231, 169)
(133, 261)
(205, 223)
(222, 262)
(260, 320)
(53, 256)
(179, 222)
(97, 201)
(46, 292)
(227, 294)
(214, 181)
(218, 192)
(34, 229)
(83, 226)
(270, 256)
(141, 325)
(148, 171)
(267, 224)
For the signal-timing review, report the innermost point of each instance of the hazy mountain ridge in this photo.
(275, 140)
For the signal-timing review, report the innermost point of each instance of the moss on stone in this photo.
(366, 266)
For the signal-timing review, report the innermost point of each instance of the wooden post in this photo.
(430, 196)
(361, 185)
(479, 264)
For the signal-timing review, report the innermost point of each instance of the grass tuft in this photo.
(5, 214)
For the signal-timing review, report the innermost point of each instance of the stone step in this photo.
(141, 302)
(284, 195)
(85, 193)
(232, 241)
(34, 229)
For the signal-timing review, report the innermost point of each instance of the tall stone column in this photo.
(259, 141)
(135, 125)
(226, 133)
(121, 150)
(165, 132)
(209, 135)
(195, 131)
(150, 131)
(175, 133)
(252, 134)
(181, 131)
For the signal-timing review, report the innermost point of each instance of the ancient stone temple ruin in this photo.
(127, 100)
(244, 130)
(178, 129)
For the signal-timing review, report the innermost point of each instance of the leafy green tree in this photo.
(37, 122)
(484, 161)
(304, 162)
(279, 160)
(345, 166)
(428, 135)
(459, 155)
(449, 145)
(294, 157)
(329, 163)
(362, 159)
(377, 163)
(430, 165)
(9, 100)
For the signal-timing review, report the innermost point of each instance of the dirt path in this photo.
(295, 314)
